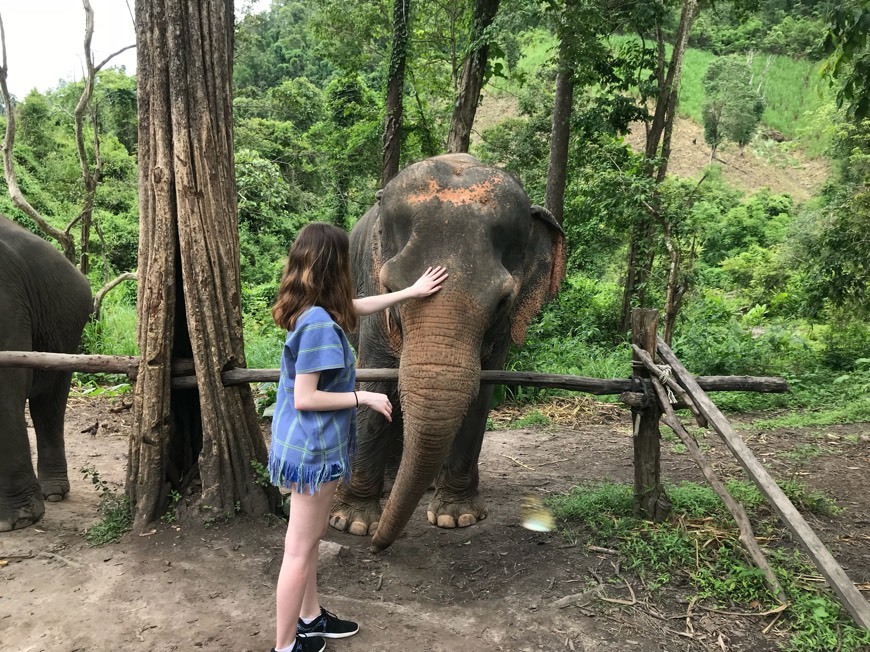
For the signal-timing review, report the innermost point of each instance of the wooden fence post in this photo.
(650, 500)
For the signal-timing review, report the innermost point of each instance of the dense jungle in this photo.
(748, 231)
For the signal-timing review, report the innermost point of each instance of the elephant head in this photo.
(505, 258)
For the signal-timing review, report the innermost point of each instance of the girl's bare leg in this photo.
(311, 601)
(297, 581)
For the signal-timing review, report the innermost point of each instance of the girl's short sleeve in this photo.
(320, 348)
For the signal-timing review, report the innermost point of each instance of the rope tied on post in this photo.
(664, 378)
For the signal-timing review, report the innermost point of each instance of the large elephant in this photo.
(44, 305)
(505, 258)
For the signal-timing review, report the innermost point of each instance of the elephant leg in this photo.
(21, 502)
(356, 507)
(457, 501)
(47, 410)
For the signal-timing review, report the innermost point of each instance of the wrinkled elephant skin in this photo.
(505, 258)
(44, 305)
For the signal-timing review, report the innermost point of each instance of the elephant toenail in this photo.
(467, 519)
(445, 520)
(431, 517)
(358, 528)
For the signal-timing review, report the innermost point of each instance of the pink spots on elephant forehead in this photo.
(478, 193)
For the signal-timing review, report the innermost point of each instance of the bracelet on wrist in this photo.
(356, 398)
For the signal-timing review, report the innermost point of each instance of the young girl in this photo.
(314, 425)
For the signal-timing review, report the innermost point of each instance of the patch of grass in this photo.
(810, 500)
(700, 544)
(115, 510)
(796, 97)
(855, 412)
(804, 452)
(114, 333)
(263, 345)
(569, 356)
(533, 418)
(105, 385)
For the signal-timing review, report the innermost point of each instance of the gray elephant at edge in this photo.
(45, 303)
(505, 257)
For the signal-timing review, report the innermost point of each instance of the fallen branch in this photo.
(627, 603)
(516, 461)
(606, 551)
(53, 555)
(770, 612)
(101, 294)
(568, 600)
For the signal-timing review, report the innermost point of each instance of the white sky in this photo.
(45, 39)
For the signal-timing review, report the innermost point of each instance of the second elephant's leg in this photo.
(457, 501)
(20, 496)
(47, 409)
(357, 504)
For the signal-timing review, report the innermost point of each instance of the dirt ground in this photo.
(493, 586)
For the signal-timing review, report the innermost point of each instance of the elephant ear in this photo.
(543, 271)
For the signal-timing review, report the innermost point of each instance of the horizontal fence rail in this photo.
(183, 374)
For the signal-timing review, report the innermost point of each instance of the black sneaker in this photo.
(327, 625)
(308, 644)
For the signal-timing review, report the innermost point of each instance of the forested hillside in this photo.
(741, 210)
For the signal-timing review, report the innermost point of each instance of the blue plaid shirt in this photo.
(312, 447)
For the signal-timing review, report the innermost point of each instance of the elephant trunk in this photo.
(439, 378)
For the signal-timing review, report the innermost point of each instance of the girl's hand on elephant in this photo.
(430, 282)
(377, 402)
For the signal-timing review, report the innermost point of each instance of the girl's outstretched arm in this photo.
(425, 286)
(307, 397)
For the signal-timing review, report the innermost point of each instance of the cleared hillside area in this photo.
(764, 164)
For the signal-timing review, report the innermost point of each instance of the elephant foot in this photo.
(357, 517)
(54, 491)
(448, 513)
(15, 518)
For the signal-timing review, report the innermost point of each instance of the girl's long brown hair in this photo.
(317, 274)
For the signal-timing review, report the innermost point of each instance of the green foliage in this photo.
(171, 513)
(114, 333)
(711, 561)
(733, 105)
(832, 239)
(261, 474)
(533, 418)
(848, 50)
(727, 30)
(114, 508)
(276, 45)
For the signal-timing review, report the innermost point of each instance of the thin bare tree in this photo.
(90, 175)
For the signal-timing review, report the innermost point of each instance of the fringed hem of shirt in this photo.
(286, 474)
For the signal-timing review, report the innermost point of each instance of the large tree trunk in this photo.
(392, 146)
(560, 136)
(189, 289)
(471, 81)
